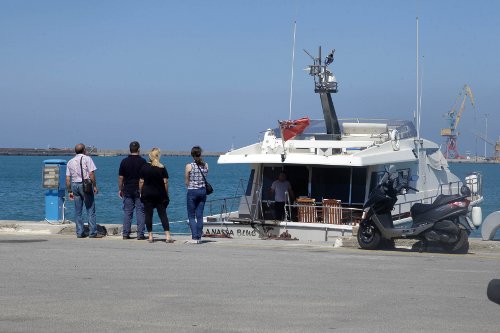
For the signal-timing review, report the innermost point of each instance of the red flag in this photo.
(292, 128)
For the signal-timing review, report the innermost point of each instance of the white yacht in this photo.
(332, 166)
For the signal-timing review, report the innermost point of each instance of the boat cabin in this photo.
(323, 171)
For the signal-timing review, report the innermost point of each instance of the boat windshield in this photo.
(405, 128)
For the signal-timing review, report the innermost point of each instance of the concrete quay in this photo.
(46, 228)
(53, 282)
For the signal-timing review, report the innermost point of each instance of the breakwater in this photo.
(92, 151)
(475, 160)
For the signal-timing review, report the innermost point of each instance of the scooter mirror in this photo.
(465, 190)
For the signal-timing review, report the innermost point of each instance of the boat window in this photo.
(347, 184)
(331, 183)
(358, 187)
(298, 176)
(268, 176)
(375, 179)
(250, 182)
(403, 174)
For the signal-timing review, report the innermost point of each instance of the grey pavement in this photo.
(57, 283)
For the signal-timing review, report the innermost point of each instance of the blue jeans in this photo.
(131, 202)
(195, 204)
(80, 199)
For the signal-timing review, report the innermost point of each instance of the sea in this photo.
(22, 197)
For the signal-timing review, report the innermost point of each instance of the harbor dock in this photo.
(53, 282)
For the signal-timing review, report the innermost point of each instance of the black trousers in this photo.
(279, 211)
(161, 209)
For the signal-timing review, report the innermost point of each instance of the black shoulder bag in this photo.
(208, 187)
(88, 187)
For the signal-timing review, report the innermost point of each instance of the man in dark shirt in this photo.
(128, 190)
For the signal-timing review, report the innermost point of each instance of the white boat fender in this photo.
(477, 216)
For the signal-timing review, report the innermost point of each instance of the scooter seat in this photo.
(442, 199)
(420, 208)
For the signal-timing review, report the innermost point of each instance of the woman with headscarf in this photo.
(153, 188)
(196, 193)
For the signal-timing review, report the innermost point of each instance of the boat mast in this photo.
(418, 93)
(293, 61)
(325, 84)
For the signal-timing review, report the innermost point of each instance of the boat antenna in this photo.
(418, 93)
(293, 61)
(325, 84)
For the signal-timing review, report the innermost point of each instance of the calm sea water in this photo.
(22, 195)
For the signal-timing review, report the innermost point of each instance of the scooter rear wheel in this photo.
(368, 236)
(461, 246)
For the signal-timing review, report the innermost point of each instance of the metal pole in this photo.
(485, 133)
(293, 61)
(418, 111)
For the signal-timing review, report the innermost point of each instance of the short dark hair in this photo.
(196, 151)
(79, 148)
(134, 147)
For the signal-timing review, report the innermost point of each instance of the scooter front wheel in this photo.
(368, 236)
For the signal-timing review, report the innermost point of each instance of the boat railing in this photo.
(221, 209)
(309, 211)
(329, 211)
(317, 128)
(401, 209)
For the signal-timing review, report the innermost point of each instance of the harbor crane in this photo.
(450, 133)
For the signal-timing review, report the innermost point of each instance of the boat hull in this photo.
(316, 232)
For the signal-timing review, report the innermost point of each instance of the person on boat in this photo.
(194, 177)
(281, 190)
(81, 168)
(153, 189)
(128, 191)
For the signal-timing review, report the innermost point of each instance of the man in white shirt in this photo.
(282, 191)
(74, 185)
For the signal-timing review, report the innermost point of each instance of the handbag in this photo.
(88, 187)
(208, 187)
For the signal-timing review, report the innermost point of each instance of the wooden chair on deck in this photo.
(306, 210)
(332, 211)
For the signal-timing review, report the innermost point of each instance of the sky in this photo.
(173, 74)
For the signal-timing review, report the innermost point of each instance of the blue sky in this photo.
(216, 73)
